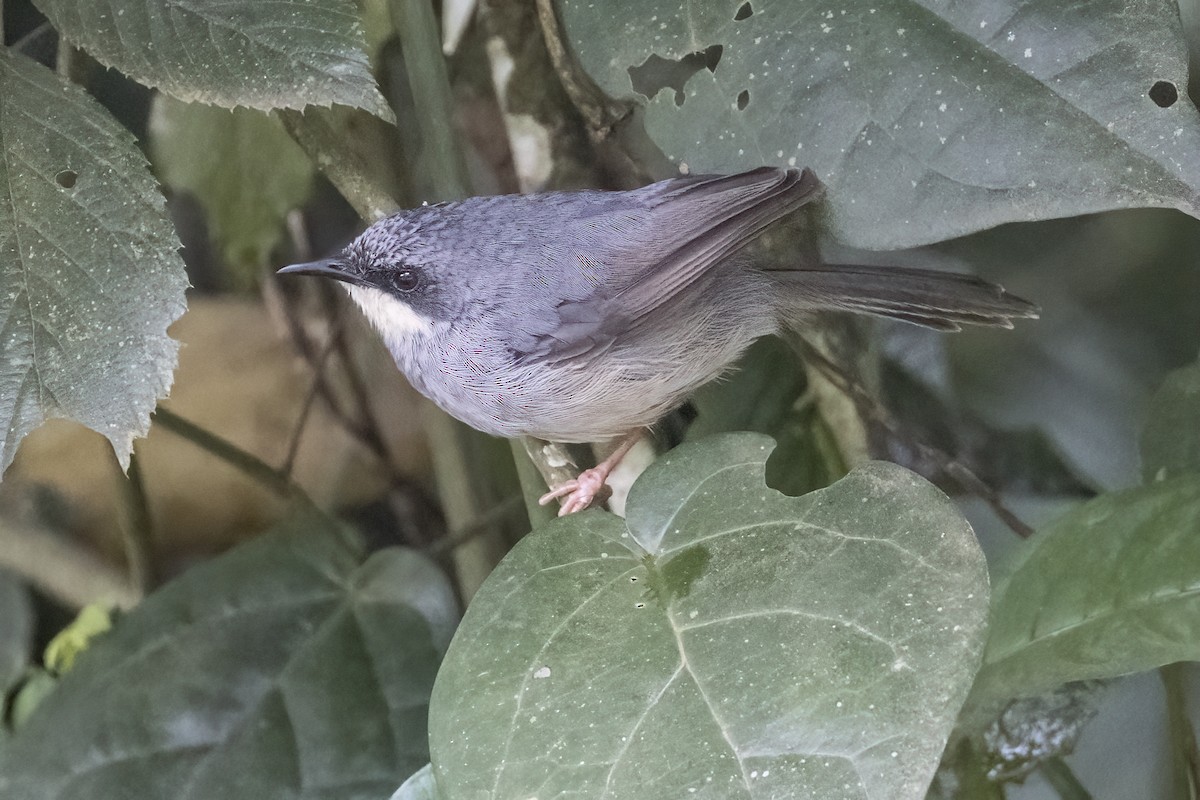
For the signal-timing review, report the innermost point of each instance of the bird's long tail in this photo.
(944, 301)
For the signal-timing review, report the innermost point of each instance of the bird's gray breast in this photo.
(474, 372)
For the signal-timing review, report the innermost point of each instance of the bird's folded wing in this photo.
(646, 253)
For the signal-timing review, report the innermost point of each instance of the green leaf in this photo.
(284, 669)
(1171, 439)
(1107, 589)
(724, 638)
(242, 167)
(89, 273)
(16, 630)
(927, 120)
(285, 54)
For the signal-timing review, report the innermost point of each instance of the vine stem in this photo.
(137, 531)
(1062, 778)
(465, 475)
(274, 479)
(1185, 756)
(873, 409)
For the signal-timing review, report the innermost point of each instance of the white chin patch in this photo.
(393, 318)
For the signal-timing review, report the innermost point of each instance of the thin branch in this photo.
(364, 428)
(479, 526)
(250, 464)
(1184, 753)
(26, 40)
(368, 423)
(64, 571)
(137, 532)
(953, 468)
(289, 461)
(601, 113)
(539, 467)
(74, 64)
(1062, 778)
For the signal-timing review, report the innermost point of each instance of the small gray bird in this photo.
(587, 316)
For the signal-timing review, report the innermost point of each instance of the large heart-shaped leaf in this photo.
(723, 641)
(282, 54)
(89, 274)
(284, 669)
(928, 120)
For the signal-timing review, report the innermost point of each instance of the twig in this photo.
(369, 423)
(27, 39)
(137, 532)
(601, 113)
(482, 524)
(538, 469)
(1062, 778)
(230, 453)
(953, 468)
(74, 64)
(68, 573)
(365, 429)
(1185, 756)
(310, 397)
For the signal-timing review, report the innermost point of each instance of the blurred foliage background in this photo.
(281, 392)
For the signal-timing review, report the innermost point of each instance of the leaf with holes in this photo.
(283, 54)
(89, 273)
(723, 641)
(287, 668)
(927, 120)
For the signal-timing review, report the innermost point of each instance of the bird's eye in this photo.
(405, 279)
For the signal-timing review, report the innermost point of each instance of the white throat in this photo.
(395, 320)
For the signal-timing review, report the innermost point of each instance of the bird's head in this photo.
(392, 272)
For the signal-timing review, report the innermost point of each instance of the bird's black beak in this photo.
(327, 268)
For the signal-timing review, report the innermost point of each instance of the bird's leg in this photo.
(581, 492)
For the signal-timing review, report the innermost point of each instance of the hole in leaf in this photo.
(66, 178)
(745, 12)
(657, 73)
(743, 99)
(1164, 94)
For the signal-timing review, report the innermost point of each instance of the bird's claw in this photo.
(580, 493)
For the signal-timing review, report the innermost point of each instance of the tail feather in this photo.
(943, 301)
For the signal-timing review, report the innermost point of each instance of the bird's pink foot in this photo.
(581, 492)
